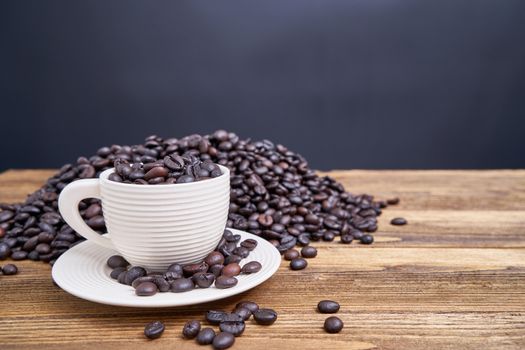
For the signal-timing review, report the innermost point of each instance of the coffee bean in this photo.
(251, 267)
(234, 327)
(231, 270)
(116, 272)
(191, 329)
(298, 264)
(250, 305)
(146, 289)
(163, 285)
(6, 215)
(121, 278)
(224, 282)
(117, 261)
(190, 270)
(203, 279)
(19, 255)
(303, 239)
(328, 307)
(216, 270)
(182, 285)
(214, 258)
(9, 269)
(232, 259)
(309, 252)
(243, 312)
(177, 268)
(171, 276)
(398, 221)
(223, 340)
(205, 336)
(291, 254)
(140, 280)
(154, 330)
(134, 273)
(347, 239)
(249, 244)
(393, 201)
(5, 251)
(367, 239)
(265, 316)
(215, 316)
(333, 324)
(328, 236)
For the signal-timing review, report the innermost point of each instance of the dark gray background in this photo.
(349, 84)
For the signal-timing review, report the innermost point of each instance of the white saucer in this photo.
(82, 271)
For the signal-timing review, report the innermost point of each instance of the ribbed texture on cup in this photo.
(156, 225)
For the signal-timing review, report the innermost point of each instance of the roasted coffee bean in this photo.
(398, 221)
(134, 273)
(140, 280)
(250, 305)
(116, 272)
(9, 269)
(5, 251)
(216, 270)
(231, 270)
(234, 327)
(291, 254)
(251, 267)
(298, 264)
(393, 201)
(243, 312)
(121, 278)
(249, 244)
(182, 285)
(347, 239)
(146, 289)
(214, 258)
(154, 330)
(191, 329)
(203, 279)
(215, 316)
(367, 239)
(265, 316)
(224, 282)
(171, 276)
(43, 248)
(303, 239)
(117, 261)
(205, 336)
(177, 268)
(333, 324)
(190, 270)
(223, 340)
(232, 259)
(6, 215)
(328, 307)
(19, 255)
(242, 252)
(309, 252)
(163, 285)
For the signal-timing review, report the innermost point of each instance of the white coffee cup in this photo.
(153, 226)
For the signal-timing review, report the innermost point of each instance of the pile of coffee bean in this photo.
(220, 268)
(332, 324)
(231, 325)
(274, 195)
(170, 170)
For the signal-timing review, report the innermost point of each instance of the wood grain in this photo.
(453, 278)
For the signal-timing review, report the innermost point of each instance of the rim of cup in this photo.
(104, 177)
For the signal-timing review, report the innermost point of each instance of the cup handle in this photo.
(68, 201)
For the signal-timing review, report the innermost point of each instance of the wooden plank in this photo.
(451, 279)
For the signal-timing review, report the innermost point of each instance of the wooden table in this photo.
(453, 278)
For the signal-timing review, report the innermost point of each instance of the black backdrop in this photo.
(349, 84)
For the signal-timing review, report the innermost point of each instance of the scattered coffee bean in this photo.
(117, 261)
(347, 239)
(182, 285)
(333, 324)
(116, 272)
(142, 279)
(215, 316)
(19, 255)
(214, 258)
(298, 264)
(328, 307)
(146, 289)
(122, 277)
(251, 267)
(154, 330)
(243, 312)
(291, 254)
(203, 279)
(234, 327)
(309, 252)
(205, 336)
(9, 269)
(223, 340)
(134, 273)
(249, 244)
(224, 282)
(367, 239)
(5, 251)
(231, 270)
(393, 201)
(398, 221)
(190, 270)
(250, 305)
(191, 329)
(265, 316)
